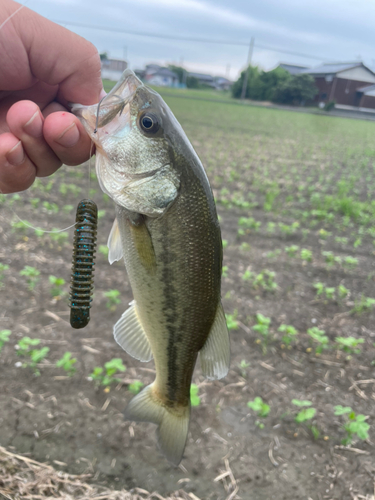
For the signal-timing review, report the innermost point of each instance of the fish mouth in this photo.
(112, 112)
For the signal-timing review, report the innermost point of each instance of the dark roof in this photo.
(293, 69)
(366, 89)
(201, 76)
(163, 72)
(334, 68)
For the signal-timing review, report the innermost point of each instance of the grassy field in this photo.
(295, 417)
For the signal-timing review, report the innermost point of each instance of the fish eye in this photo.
(149, 123)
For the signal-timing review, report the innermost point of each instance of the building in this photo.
(159, 76)
(203, 79)
(112, 69)
(293, 69)
(350, 85)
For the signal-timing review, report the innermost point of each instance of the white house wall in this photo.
(360, 74)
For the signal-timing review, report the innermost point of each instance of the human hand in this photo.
(43, 67)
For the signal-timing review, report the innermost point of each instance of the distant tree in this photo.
(271, 80)
(178, 70)
(261, 85)
(103, 55)
(192, 82)
(253, 90)
(297, 90)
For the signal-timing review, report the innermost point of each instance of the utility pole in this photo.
(246, 77)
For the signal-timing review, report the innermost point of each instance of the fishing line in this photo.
(26, 223)
(14, 13)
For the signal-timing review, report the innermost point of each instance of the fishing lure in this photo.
(82, 281)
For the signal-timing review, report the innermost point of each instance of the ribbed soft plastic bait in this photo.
(82, 280)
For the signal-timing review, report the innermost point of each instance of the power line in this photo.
(187, 39)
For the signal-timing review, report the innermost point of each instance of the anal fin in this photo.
(130, 335)
(215, 354)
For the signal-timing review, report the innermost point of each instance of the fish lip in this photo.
(98, 115)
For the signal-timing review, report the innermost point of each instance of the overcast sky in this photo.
(334, 30)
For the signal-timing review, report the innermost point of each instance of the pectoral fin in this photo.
(215, 354)
(130, 335)
(114, 244)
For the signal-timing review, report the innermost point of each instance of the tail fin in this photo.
(173, 425)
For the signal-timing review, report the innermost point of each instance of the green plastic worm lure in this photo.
(82, 280)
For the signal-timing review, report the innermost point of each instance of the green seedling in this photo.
(113, 301)
(355, 425)
(225, 243)
(324, 234)
(232, 322)
(60, 237)
(350, 262)
(68, 208)
(289, 332)
(195, 400)
(306, 255)
(39, 233)
(262, 327)
(319, 337)
(135, 386)
(243, 367)
(261, 408)
(51, 208)
(249, 223)
(69, 188)
(271, 226)
(34, 202)
(342, 291)
(273, 254)
(3, 268)
(265, 279)
(224, 271)
(342, 240)
(106, 376)
(288, 230)
(331, 259)
(67, 363)
(292, 250)
(4, 337)
(306, 413)
(349, 344)
(363, 304)
(104, 250)
(357, 243)
(57, 284)
(244, 246)
(32, 276)
(20, 226)
(319, 287)
(25, 347)
(101, 214)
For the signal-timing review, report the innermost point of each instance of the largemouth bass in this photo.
(167, 230)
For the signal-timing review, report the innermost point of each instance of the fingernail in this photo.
(69, 137)
(16, 155)
(34, 126)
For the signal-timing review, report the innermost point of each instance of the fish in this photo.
(167, 231)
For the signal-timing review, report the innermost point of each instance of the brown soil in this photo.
(77, 427)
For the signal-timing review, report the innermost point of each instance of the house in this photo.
(159, 76)
(293, 69)
(222, 83)
(112, 69)
(203, 79)
(349, 84)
